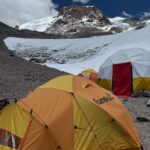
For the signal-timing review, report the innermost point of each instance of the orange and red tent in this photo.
(90, 74)
(68, 113)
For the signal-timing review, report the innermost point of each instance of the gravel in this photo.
(18, 77)
(138, 108)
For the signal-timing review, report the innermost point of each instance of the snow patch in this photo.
(39, 25)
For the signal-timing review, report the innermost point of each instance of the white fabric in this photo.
(139, 58)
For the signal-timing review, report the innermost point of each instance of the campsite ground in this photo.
(18, 77)
(138, 108)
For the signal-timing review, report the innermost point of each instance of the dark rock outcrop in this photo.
(7, 31)
(134, 22)
(80, 12)
(73, 22)
(116, 29)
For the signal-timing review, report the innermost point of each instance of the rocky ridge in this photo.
(79, 21)
(84, 21)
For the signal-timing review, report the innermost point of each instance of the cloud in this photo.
(16, 12)
(125, 14)
(146, 14)
(82, 1)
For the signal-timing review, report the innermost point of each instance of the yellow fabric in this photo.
(2, 147)
(37, 138)
(107, 84)
(118, 111)
(142, 83)
(53, 108)
(88, 71)
(14, 119)
(95, 129)
(108, 102)
(61, 83)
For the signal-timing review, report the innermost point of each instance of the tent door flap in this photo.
(122, 79)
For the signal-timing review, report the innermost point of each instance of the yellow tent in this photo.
(68, 113)
(90, 74)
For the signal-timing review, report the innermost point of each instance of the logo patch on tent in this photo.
(104, 99)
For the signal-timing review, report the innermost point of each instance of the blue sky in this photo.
(21, 11)
(113, 7)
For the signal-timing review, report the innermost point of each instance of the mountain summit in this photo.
(88, 13)
(79, 21)
(82, 21)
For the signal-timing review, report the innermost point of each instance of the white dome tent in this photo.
(124, 66)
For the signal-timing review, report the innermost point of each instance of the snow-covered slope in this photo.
(83, 21)
(39, 25)
(72, 21)
(75, 55)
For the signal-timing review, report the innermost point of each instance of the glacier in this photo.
(75, 55)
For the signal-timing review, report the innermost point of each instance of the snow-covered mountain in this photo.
(39, 25)
(75, 55)
(83, 21)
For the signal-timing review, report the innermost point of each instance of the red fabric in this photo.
(92, 76)
(122, 79)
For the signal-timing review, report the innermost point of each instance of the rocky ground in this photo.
(18, 76)
(138, 108)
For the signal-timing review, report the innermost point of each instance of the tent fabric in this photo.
(100, 138)
(13, 124)
(76, 115)
(140, 84)
(58, 119)
(107, 84)
(140, 61)
(122, 79)
(90, 74)
(37, 138)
